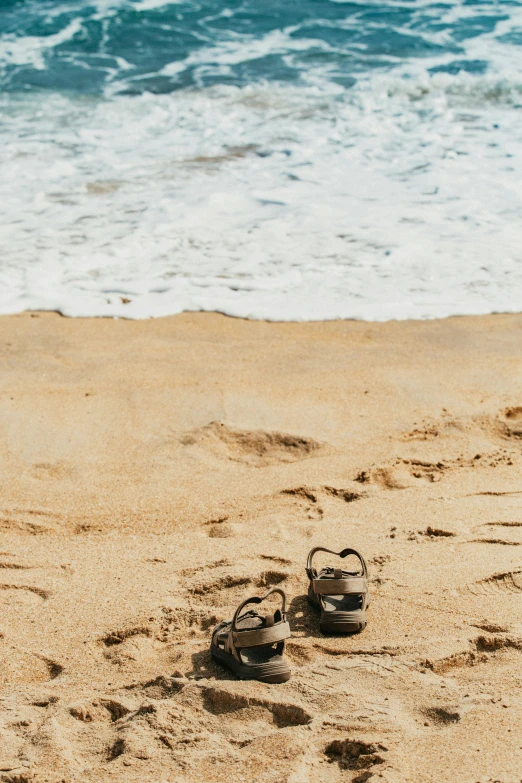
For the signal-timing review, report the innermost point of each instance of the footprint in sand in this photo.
(297, 502)
(141, 651)
(115, 638)
(225, 589)
(403, 473)
(406, 472)
(255, 448)
(237, 704)
(381, 660)
(504, 426)
(216, 719)
(301, 505)
(214, 586)
(504, 582)
(24, 667)
(294, 504)
(457, 660)
(152, 647)
(221, 527)
(310, 501)
(481, 650)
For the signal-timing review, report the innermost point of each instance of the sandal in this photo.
(252, 645)
(342, 596)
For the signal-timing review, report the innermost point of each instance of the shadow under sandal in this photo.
(252, 645)
(341, 596)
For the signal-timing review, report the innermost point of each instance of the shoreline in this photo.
(156, 472)
(122, 317)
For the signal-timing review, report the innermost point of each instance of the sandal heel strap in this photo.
(261, 636)
(346, 586)
(312, 573)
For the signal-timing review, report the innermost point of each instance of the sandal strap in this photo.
(255, 637)
(345, 586)
(257, 600)
(312, 573)
(259, 636)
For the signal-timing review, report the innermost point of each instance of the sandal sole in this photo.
(340, 627)
(332, 626)
(246, 673)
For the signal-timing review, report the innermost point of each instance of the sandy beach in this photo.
(155, 473)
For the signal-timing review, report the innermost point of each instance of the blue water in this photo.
(297, 159)
(128, 46)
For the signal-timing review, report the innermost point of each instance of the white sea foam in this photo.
(30, 49)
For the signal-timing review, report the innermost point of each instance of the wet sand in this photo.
(155, 473)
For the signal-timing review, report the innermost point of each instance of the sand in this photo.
(154, 474)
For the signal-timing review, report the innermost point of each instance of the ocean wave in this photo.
(283, 203)
(292, 162)
(135, 46)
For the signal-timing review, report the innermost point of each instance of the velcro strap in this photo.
(350, 584)
(260, 636)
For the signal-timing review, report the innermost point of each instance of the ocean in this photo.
(296, 160)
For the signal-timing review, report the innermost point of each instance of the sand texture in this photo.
(154, 474)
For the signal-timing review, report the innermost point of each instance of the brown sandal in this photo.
(252, 645)
(341, 596)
